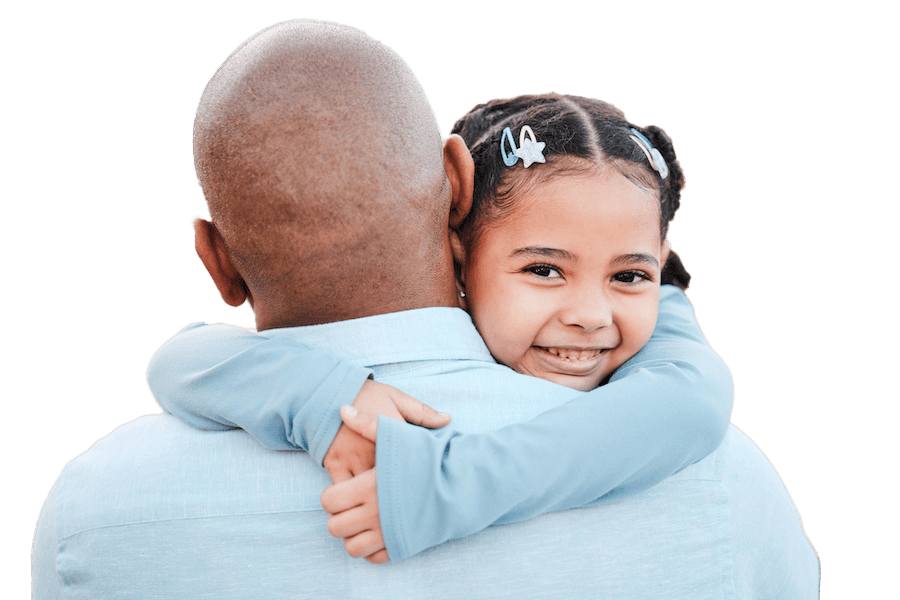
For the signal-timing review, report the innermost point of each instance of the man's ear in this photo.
(460, 169)
(212, 251)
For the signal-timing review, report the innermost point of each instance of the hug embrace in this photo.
(574, 439)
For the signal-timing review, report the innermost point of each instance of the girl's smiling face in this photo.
(566, 286)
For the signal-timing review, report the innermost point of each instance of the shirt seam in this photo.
(193, 518)
(414, 366)
(377, 360)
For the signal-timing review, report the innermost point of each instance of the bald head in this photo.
(321, 163)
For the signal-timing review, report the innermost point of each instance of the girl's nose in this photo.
(588, 311)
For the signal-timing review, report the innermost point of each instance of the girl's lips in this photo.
(571, 361)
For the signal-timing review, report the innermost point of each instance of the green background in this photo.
(779, 113)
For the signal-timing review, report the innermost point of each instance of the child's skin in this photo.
(579, 259)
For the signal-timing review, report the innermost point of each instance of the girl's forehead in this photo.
(581, 206)
(604, 188)
(521, 182)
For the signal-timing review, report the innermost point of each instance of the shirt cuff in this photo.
(340, 388)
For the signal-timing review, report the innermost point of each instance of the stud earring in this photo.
(462, 294)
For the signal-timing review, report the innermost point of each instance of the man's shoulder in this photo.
(772, 555)
(739, 472)
(736, 454)
(741, 468)
(741, 459)
(212, 511)
(156, 468)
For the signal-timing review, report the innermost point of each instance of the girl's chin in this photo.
(582, 383)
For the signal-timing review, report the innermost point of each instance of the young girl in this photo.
(559, 265)
(587, 182)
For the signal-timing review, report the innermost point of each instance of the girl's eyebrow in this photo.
(639, 257)
(560, 254)
(556, 253)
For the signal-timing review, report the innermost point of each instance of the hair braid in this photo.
(673, 271)
(672, 185)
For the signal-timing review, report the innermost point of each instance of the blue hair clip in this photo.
(653, 156)
(509, 158)
(530, 150)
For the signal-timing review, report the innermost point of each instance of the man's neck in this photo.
(300, 316)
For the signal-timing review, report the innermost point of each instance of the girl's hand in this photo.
(353, 506)
(351, 454)
(364, 424)
(352, 501)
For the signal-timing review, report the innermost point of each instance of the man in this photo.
(330, 204)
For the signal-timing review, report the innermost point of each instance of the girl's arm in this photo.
(666, 408)
(281, 392)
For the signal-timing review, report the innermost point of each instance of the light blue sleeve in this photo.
(666, 408)
(284, 394)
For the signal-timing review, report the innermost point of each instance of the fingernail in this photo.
(349, 410)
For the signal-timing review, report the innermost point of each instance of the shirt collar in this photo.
(435, 333)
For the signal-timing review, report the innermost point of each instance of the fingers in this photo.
(356, 491)
(353, 506)
(412, 411)
(348, 455)
(339, 475)
(378, 398)
(350, 522)
(365, 544)
(379, 558)
(363, 424)
(417, 413)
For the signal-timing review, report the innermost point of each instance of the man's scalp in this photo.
(312, 143)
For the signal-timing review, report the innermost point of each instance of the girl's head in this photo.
(561, 261)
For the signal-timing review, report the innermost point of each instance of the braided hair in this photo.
(572, 128)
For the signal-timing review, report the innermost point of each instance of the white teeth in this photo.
(574, 354)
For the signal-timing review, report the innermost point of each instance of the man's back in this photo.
(160, 510)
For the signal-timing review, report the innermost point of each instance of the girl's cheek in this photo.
(647, 323)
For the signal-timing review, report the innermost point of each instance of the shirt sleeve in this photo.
(284, 394)
(666, 408)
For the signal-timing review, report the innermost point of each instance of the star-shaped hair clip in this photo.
(530, 150)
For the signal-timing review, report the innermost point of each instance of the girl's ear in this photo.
(663, 254)
(460, 169)
(459, 264)
(212, 251)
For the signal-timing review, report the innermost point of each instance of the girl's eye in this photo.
(545, 271)
(631, 277)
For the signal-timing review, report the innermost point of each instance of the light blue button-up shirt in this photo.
(162, 510)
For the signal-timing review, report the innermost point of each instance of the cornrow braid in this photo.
(673, 271)
(570, 127)
(671, 186)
